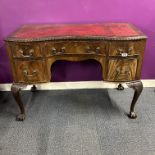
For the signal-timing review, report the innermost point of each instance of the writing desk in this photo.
(118, 47)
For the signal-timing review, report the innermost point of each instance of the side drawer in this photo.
(126, 48)
(30, 71)
(26, 50)
(122, 69)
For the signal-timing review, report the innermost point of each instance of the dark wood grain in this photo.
(75, 47)
(30, 71)
(107, 53)
(135, 47)
(122, 70)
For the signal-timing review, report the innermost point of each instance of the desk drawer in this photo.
(26, 50)
(126, 48)
(75, 47)
(30, 71)
(122, 69)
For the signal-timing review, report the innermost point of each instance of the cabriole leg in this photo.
(16, 88)
(138, 87)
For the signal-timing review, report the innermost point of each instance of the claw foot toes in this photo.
(132, 115)
(33, 89)
(20, 117)
(120, 87)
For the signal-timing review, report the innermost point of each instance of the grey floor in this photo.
(78, 122)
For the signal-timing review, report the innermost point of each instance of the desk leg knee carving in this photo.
(138, 87)
(16, 88)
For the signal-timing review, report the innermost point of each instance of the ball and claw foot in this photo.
(132, 115)
(120, 87)
(20, 117)
(33, 88)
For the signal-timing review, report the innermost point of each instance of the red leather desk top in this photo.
(44, 31)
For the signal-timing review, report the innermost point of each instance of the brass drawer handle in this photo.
(30, 53)
(119, 72)
(130, 49)
(98, 50)
(124, 53)
(88, 49)
(122, 74)
(34, 73)
(63, 49)
(55, 52)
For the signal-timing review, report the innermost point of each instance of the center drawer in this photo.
(30, 71)
(75, 47)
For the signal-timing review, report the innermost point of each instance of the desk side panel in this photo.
(12, 65)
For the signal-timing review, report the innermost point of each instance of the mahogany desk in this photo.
(118, 47)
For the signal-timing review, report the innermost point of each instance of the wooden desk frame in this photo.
(120, 57)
